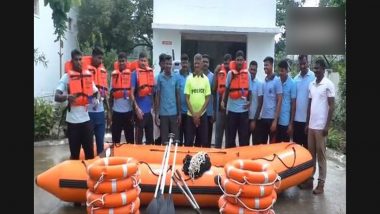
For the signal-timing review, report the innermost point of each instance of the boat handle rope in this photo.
(276, 156)
(151, 170)
(250, 209)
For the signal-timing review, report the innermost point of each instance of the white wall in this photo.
(242, 13)
(260, 46)
(165, 35)
(46, 79)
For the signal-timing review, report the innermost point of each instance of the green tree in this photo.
(39, 57)
(281, 11)
(60, 9)
(332, 3)
(120, 24)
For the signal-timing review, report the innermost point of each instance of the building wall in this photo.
(242, 13)
(259, 46)
(46, 79)
(171, 36)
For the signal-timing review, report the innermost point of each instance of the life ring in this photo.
(113, 185)
(130, 208)
(112, 168)
(254, 203)
(227, 208)
(250, 171)
(113, 199)
(245, 190)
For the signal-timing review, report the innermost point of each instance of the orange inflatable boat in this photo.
(292, 163)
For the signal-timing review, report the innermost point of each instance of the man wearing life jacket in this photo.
(218, 90)
(288, 105)
(272, 99)
(256, 103)
(96, 108)
(142, 99)
(238, 98)
(76, 87)
(182, 77)
(167, 109)
(122, 114)
(157, 71)
(197, 91)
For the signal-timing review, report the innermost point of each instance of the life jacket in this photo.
(239, 84)
(80, 85)
(222, 75)
(121, 83)
(99, 74)
(233, 65)
(145, 81)
(130, 65)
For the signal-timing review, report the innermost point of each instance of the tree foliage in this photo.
(39, 57)
(60, 9)
(120, 24)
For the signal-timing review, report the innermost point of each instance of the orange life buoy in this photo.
(228, 208)
(250, 171)
(113, 185)
(109, 200)
(112, 168)
(254, 203)
(245, 190)
(130, 208)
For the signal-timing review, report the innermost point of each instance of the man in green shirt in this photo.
(197, 91)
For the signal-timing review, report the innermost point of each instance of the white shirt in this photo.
(319, 94)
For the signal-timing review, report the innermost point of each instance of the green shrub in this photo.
(335, 139)
(43, 118)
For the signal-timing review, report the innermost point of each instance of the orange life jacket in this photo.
(80, 85)
(222, 75)
(233, 65)
(130, 65)
(239, 84)
(99, 75)
(121, 83)
(145, 81)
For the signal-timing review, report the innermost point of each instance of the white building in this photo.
(215, 28)
(46, 79)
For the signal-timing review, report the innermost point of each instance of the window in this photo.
(36, 7)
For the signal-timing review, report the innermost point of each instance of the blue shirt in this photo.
(257, 90)
(144, 103)
(288, 93)
(302, 100)
(236, 105)
(210, 108)
(181, 84)
(167, 86)
(271, 88)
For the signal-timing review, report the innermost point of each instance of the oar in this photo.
(168, 208)
(187, 188)
(153, 206)
(162, 204)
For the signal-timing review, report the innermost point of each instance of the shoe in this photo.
(308, 184)
(320, 188)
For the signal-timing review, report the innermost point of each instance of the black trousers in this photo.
(255, 134)
(80, 135)
(168, 124)
(144, 125)
(122, 121)
(201, 131)
(263, 126)
(182, 129)
(282, 134)
(237, 122)
(299, 135)
(209, 131)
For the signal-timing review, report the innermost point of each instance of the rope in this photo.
(276, 156)
(100, 180)
(278, 178)
(99, 199)
(195, 163)
(230, 195)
